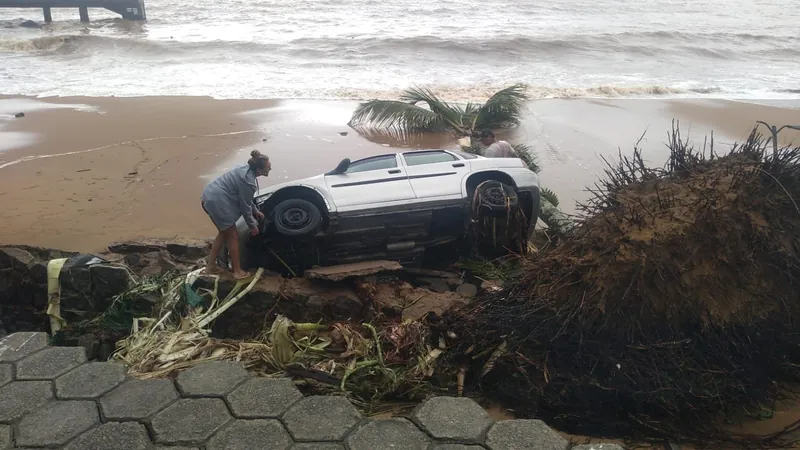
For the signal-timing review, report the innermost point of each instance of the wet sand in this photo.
(79, 173)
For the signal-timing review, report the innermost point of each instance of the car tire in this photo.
(296, 217)
(495, 198)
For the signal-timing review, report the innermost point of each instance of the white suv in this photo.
(391, 206)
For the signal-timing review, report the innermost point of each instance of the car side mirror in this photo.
(341, 168)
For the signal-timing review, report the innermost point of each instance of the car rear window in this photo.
(417, 158)
(375, 163)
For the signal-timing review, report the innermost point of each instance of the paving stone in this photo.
(21, 397)
(453, 418)
(113, 436)
(174, 447)
(260, 434)
(261, 398)
(189, 421)
(321, 418)
(524, 435)
(388, 433)
(56, 423)
(19, 345)
(211, 379)
(90, 380)
(456, 447)
(138, 399)
(317, 446)
(50, 363)
(5, 436)
(6, 374)
(598, 447)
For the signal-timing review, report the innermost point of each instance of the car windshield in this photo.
(465, 155)
(374, 163)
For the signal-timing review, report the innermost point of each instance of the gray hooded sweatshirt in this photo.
(230, 196)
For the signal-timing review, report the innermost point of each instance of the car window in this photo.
(417, 158)
(465, 155)
(374, 163)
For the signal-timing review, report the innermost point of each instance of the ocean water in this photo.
(359, 49)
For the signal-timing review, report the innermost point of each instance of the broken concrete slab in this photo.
(518, 434)
(321, 418)
(432, 273)
(453, 418)
(56, 423)
(378, 432)
(343, 271)
(137, 399)
(21, 397)
(16, 258)
(211, 379)
(113, 436)
(19, 345)
(259, 434)
(189, 421)
(127, 247)
(90, 380)
(50, 363)
(262, 397)
(190, 250)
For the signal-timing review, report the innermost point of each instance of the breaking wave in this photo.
(710, 46)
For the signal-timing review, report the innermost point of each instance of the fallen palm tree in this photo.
(670, 308)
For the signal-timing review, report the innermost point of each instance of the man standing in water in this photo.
(495, 148)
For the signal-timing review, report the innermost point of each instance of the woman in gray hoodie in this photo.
(226, 199)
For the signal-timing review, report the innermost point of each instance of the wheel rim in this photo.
(495, 196)
(295, 218)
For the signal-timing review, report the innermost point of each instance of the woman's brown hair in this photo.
(257, 160)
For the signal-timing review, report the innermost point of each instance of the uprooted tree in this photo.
(671, 306)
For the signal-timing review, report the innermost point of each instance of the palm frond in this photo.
(526, 154)
(396, 115)
(452, 114)
(550, 196)
(503, 109)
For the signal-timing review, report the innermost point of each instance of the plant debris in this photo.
(671, 306)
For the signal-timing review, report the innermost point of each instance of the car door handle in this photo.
(395, 171)
(458, 164)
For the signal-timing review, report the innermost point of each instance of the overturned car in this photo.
(392, 207)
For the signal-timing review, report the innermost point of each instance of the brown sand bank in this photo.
(79, 177)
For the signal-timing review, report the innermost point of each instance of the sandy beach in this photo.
(79, 173)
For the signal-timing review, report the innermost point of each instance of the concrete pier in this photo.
(128, 9)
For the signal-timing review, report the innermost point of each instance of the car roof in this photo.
(453, 152)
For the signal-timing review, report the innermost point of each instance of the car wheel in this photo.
(296, 217)
(495, 197)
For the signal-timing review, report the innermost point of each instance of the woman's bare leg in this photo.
(211, 264)
(232, 239)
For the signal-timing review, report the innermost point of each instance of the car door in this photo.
(435, 174)
(370, 182)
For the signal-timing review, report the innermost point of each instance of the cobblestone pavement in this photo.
(51, 397)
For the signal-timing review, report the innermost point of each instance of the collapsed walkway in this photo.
(52, 397)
